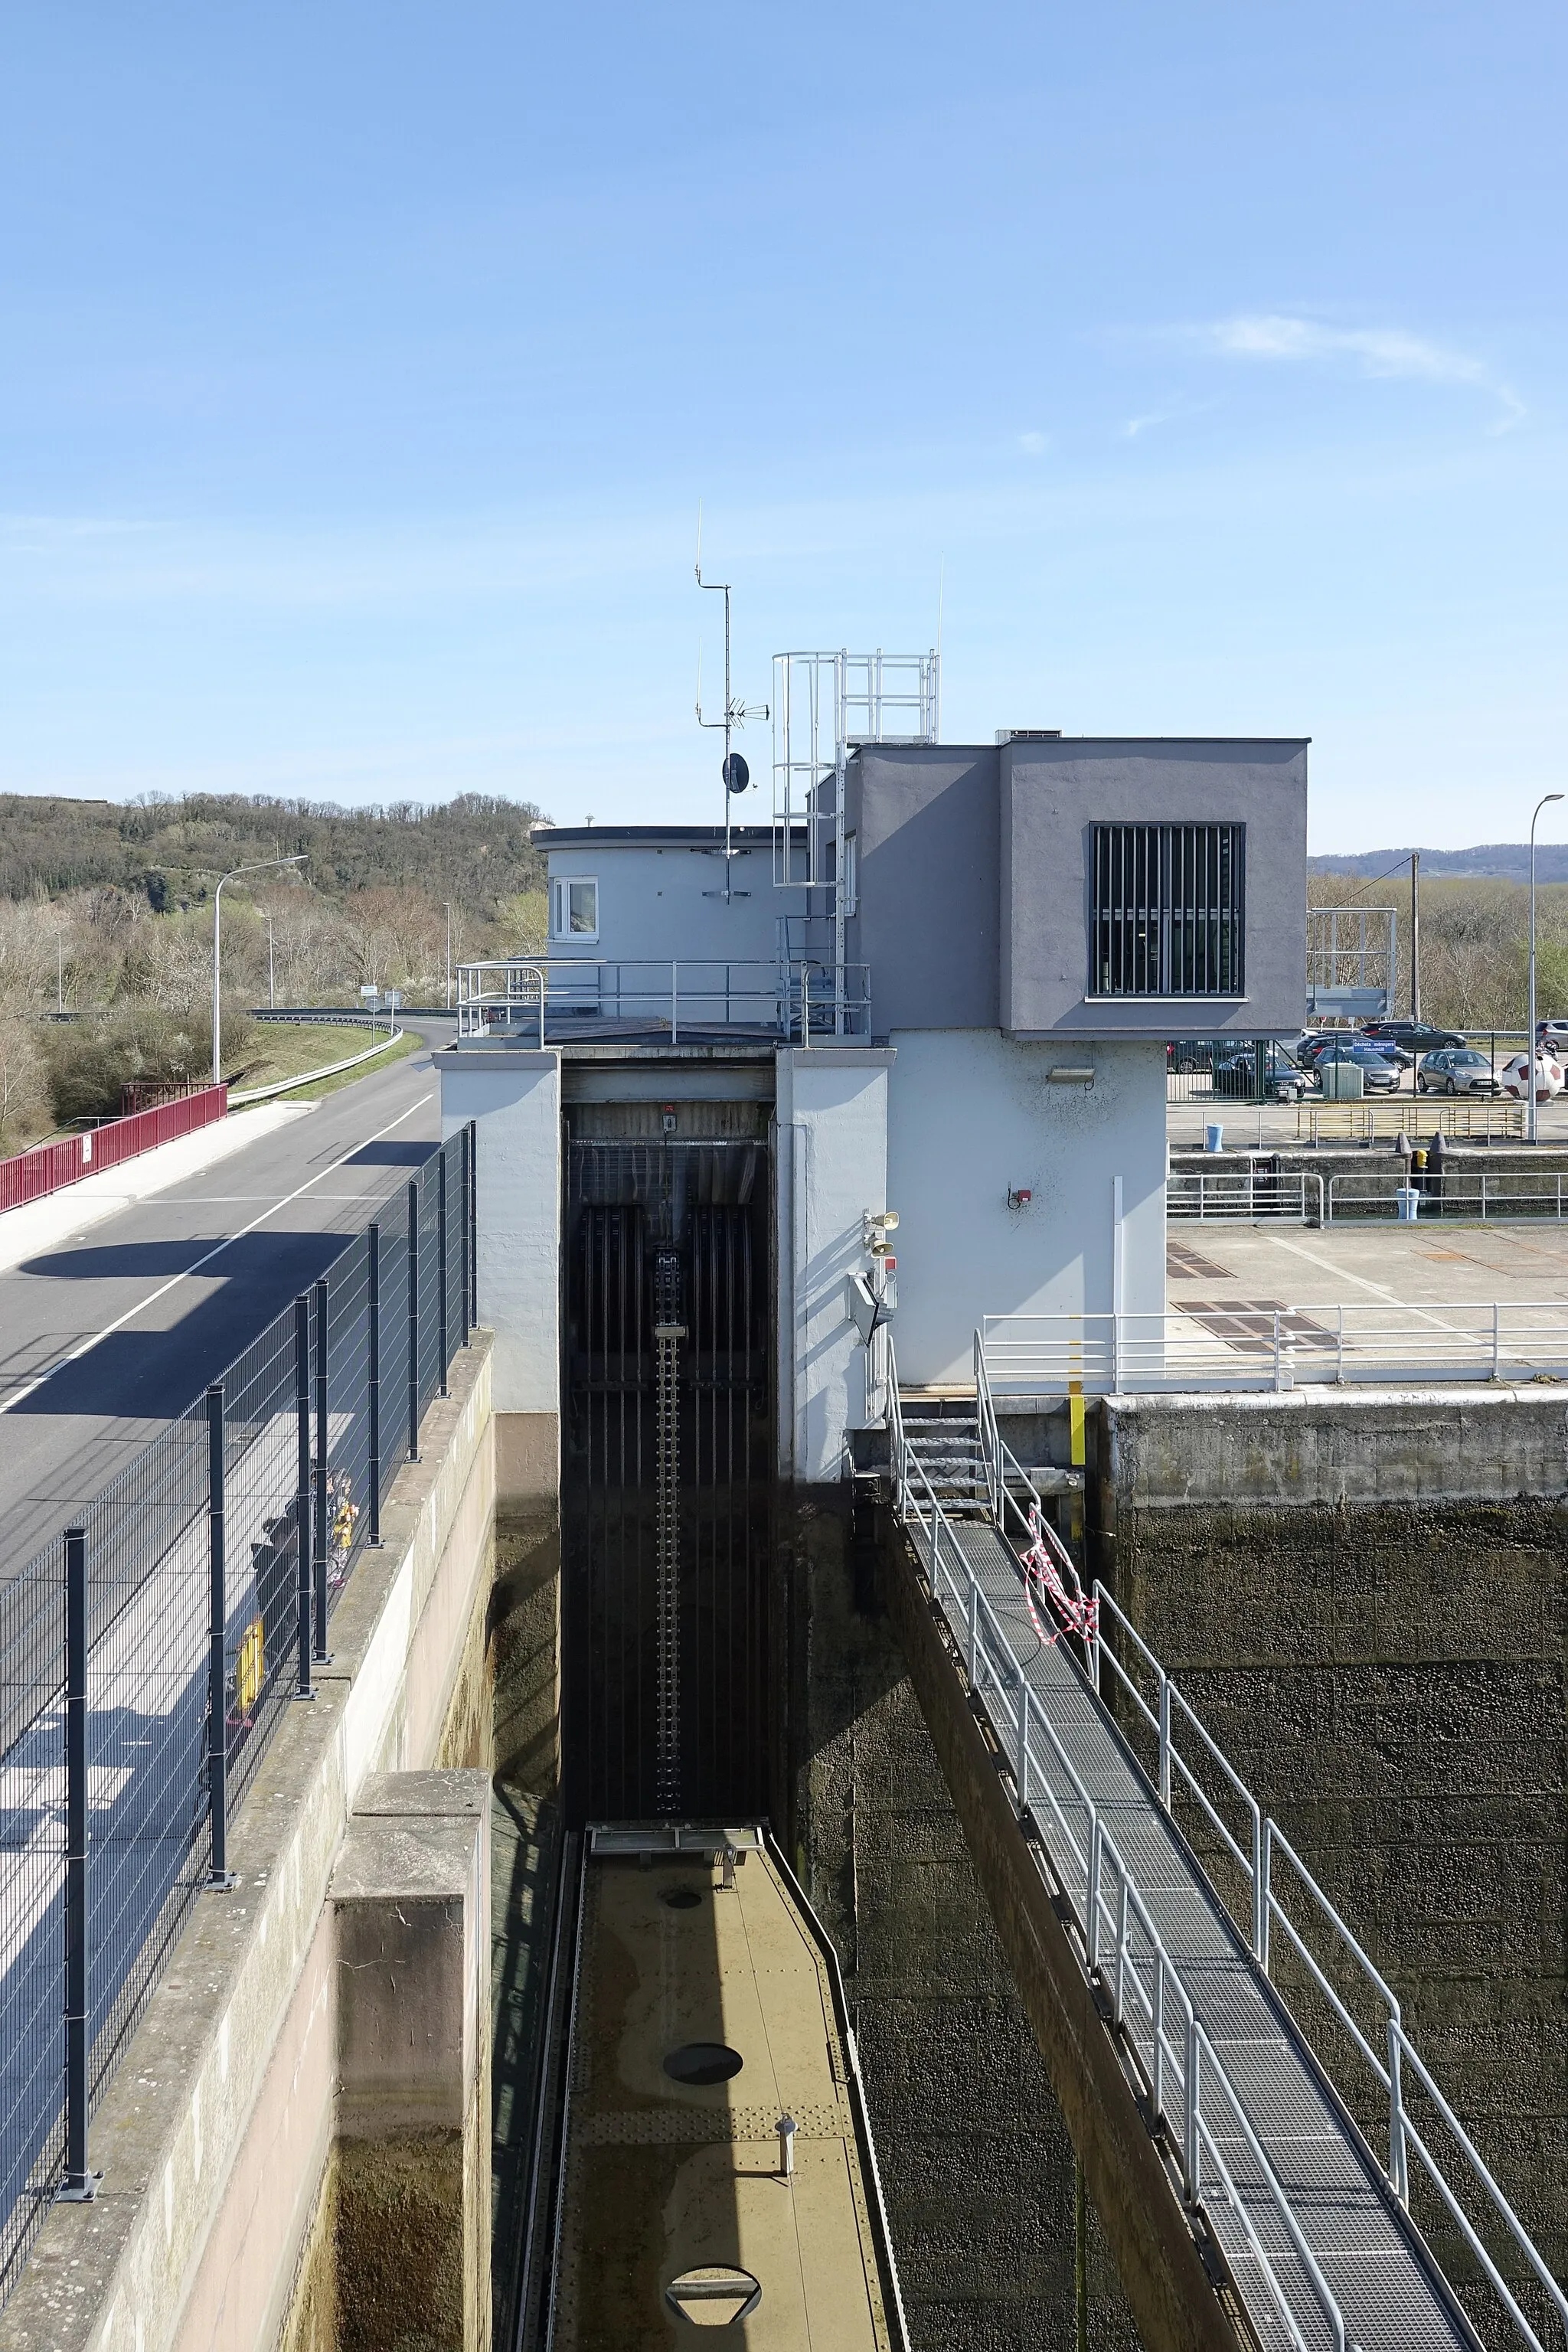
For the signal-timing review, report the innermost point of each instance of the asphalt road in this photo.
(103, 1340)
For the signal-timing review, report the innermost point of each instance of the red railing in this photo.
(33, 1175)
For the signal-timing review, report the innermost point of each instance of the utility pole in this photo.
(1531, 1048)
(1415, 935)
(449, 959)
(258, 865)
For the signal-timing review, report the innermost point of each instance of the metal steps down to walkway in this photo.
(1314, 2230)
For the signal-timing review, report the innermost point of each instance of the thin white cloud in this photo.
(1136, 424)
(1386, 352)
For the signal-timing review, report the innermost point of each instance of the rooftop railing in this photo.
(803, 999)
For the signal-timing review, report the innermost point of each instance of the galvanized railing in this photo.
(1119, 1942)
(1092, 1871)
(1169, 1710)
(1220, 1347)
(1245, 1196)
(788, 997)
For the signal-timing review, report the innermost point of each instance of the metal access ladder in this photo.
(1314, 2228)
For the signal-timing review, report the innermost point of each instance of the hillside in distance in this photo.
(1502, 861)
(474, 851)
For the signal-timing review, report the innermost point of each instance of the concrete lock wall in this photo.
(973, 1116)
(515, 1098)
(998, 2244)
(831, 1170)
(1365, 1596)
(229, 2215)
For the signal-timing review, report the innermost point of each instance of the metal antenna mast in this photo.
(735, 772)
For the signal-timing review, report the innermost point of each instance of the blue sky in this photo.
(362, 369)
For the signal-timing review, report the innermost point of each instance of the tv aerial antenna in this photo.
(737, 775)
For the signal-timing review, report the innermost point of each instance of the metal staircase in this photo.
(947, 1448)
(1314, 2226)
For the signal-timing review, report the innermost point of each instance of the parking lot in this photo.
(1279, 1126)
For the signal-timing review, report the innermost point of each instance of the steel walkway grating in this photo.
(1391, 2295)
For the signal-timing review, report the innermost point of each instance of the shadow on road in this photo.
(151, 1373)
(391, 1155)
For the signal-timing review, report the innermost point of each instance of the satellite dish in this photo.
(735, 772)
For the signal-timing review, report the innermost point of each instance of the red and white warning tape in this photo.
(1042, 1565)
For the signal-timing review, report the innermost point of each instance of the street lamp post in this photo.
(449, 959)
(59, 971)
(271, 981)
(256, 865)
(1530, 1044)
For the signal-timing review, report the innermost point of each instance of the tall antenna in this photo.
(735, 772)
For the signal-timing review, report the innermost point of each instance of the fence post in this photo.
(1023, 1770)
(974, 1632)
(322, 1497)
(1259, 1892)
(220, 1876)
(473, 1224)
(1397, 2160)
(464, 1180)
(303, 1485)
(1164, 1739)
(78, 2186)
(1279, 1362)
(441, 1264)
(1190, 2164)
(374, 1269)
(1265, 1922)
(1497, 1340)
(413, 1319)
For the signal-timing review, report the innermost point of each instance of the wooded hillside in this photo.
(474, 849)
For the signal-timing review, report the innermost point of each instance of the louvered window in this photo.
(1168, 910)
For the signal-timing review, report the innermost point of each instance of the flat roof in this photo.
(658, 836)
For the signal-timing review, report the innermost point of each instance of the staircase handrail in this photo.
(1107, 1875)
(1000, 1459)
(1265, 1837)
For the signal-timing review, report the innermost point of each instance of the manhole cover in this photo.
(703, 2062)
(714, 2296)
(681, 1898)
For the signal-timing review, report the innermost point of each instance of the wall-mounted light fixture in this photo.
(1019, 1197)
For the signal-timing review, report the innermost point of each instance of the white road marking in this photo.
(153, 1296)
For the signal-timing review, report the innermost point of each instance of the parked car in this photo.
(1411, 1036)
(1554, 1034)
(1380, 1075)
(1186, 1056)
(1457, 1070)
(1317, 1042)
(1283, 1080)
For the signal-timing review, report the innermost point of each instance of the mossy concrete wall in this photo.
(1364, 1597)
(976, 2161)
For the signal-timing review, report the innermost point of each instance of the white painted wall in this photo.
(515, 1096)
(657, 902)
(831, 1168)
(972, 1114)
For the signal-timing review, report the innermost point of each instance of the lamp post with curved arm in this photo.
(1531, 1048)
(256, 865)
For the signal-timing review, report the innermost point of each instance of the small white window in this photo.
(575, 908)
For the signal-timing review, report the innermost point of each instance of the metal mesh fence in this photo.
(261, 1451)
(147, 1723)
(150, 1764)
(32, 1899)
